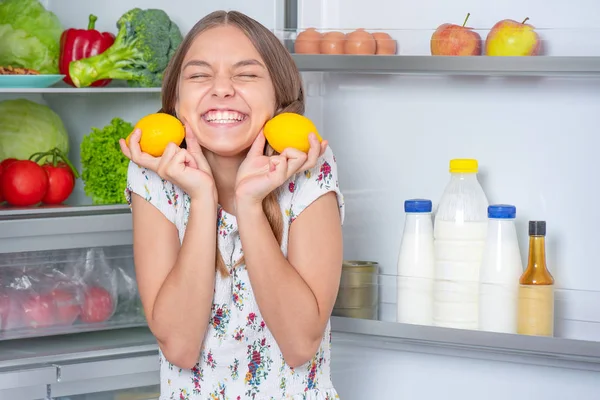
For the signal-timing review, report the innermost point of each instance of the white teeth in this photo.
(223, 117)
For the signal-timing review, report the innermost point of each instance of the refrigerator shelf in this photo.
(448, 65)
(389, 64)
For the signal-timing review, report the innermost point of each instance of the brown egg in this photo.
(308, 42)
(385, 43)
(333, 43)
(360, 42)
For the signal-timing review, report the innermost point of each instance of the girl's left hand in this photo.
(259, 175)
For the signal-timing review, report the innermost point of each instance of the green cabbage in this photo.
(27, 127)
(29, 36)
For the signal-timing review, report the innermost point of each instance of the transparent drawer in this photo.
(65, 291)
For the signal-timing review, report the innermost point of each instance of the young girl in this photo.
(238, 249)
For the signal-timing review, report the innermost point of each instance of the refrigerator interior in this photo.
(393, 136)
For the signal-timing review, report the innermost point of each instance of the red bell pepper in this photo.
(76, 44)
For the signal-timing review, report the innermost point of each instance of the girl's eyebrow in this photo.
(243, 63)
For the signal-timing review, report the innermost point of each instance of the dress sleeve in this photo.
(162, 194)
(312, 184)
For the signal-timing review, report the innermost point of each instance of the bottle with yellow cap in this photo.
(460, 230)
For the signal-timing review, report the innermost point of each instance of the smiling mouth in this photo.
(224, 117)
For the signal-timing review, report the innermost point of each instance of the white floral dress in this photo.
(240, 358)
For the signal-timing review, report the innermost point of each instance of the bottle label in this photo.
(536, 310)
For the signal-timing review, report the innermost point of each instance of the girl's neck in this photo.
(224, 170)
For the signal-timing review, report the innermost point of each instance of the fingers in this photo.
(195, 150)
(124, 148)
(295, 160)
(135, 152)
(258, 146)
(166, 159)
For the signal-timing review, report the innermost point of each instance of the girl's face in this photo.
(225, 91)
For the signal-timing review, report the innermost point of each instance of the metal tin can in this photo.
(358, 295)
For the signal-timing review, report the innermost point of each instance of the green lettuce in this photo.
(27, 127)
(104, 166)
(29, 36)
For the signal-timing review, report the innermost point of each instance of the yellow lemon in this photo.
(158, 130)
(290, 130)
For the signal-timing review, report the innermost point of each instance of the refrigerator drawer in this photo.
(26, 383)
(66, 291)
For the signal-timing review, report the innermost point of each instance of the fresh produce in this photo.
(61, 176)
(67, 306)
(39, 311)
(76, 44)
(289, 130)
(23, 183)
(97, 305)
(511, 38)
(3, 165)
(29, 36)
(146, 41)
(455, 40)
(27, 127)
(104, 166)
(158, 130)
(360, 42)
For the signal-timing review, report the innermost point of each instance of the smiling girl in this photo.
(238, 249)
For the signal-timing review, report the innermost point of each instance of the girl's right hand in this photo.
(186, 168)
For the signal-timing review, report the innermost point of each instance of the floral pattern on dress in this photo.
(223, 226)
(219, 393)
(220, 319)
(234, 369)
(259, 366)
(325, 175)
(239, 358)
(252, 321)
(170, 193)
(238, 291)
(197, 377)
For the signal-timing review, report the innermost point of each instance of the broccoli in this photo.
(146, 41)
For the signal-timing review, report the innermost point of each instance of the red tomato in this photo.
(39, 311)
(67, 307)
(3, 165)
(23, 183)
(97, 305)
(60, 183)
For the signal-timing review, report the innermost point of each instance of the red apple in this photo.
(455, 40)
(97, 305)
(511, 38)
(67, 306)
(39, 311)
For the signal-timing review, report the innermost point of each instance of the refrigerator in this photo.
(394, 123)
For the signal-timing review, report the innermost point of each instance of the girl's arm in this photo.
(176, 282)
(295, 295)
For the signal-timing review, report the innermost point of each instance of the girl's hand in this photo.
(259, 175)
(186, 168)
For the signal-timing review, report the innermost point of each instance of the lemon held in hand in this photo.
(290, 130)
(157, 131)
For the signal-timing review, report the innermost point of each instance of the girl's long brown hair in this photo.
(287, 82)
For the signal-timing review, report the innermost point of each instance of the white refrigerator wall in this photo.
(536, 142)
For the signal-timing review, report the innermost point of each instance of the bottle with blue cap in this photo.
(415, 265)
(501, 269)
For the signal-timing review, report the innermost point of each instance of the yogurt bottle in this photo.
(500, 271)
(460, 231)
(415, 265)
